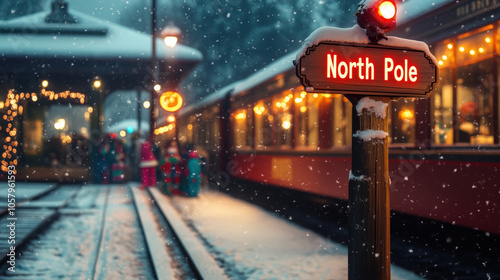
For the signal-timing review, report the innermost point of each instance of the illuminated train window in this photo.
(342, 120)
(402, 128)
(242, 128)
(463, 103)
(282, 117)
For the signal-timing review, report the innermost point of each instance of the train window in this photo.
(242, 131)
(403, 121)
(263, 124)
(475, 103)
(342, 120)
(312, 120)
(443, 108)
(281, 105)
(301, 112)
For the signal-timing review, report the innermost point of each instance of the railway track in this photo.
(30, 216)
(113, 232)
(192, 260)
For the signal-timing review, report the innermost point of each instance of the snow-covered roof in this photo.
(357, 35)
(279, 66)
(208, 100)
(89, 38)
(410, 10)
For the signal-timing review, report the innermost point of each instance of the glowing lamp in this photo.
(387, 9)
(171, 101)
(377, 18)
(171, 35)
(157, 87)
(97, 83)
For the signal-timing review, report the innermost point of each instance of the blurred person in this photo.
(148, 166)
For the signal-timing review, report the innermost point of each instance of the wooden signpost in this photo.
(369, 75)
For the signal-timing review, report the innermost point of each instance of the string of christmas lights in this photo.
(11, 108)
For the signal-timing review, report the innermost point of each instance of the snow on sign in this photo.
(367, 69)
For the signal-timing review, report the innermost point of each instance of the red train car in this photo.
(444, 151)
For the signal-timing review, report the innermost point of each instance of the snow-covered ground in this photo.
(251, 243)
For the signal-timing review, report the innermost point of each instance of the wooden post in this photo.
(369, 224)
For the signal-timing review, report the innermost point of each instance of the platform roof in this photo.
(31, 46)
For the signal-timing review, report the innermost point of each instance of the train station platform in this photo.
(102, 231)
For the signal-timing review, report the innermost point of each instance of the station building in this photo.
(56, 70)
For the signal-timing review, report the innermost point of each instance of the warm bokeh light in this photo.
(461, 49)
(472, 52)
(450, 46)
(481, 50)
(445, 57)
(303, 109)
(171, 119)
(60, 124)
(190, 127)
(487, 40)
(123, 133)
(241, 116)
(259, 109)
(157, 87)
(406, 115)
(45, 83)
(286, 124)
(440, 62)
(97, 84)
(146, 104)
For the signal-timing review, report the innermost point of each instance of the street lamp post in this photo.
(153, 71)
(170, 35)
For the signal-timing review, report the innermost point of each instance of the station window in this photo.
(403, 120)
(342, 120)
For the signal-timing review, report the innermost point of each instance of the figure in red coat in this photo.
(148, 166)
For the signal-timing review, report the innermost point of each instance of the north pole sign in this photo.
(367, 69)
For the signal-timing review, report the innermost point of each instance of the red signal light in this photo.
(377, 17)
(387, 9)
